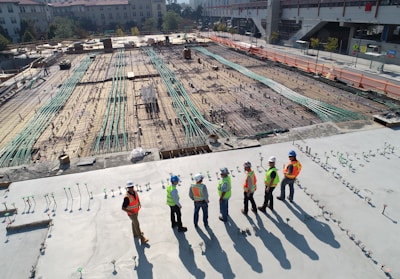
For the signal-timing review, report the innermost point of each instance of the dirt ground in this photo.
(225, 98)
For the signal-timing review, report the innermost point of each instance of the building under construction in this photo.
(155, 97)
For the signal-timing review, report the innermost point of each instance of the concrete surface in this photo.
(335, 228)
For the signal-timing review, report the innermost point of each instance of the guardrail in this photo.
(351, 78)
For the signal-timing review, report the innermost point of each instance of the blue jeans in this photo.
(223, 209)
(284, 182)
(204, 207)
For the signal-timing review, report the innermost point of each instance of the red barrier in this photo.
(351, 78)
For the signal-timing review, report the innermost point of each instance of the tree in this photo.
(5, 33)
(274, 37)
(149, 25)
(120, 32)
(27, 31)
(171, 20)
(135, 31)
(27, 37)
(3, 42)
(314, 43)
(331, 45)
(198, 12)
(174, 7)
(62, 28)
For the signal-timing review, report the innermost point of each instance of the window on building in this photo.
(148, 14)
(10, 9)
(133, 7)
(110, 15)
(125, 15)
(158, 6)
(2, 21)
(13, 20)
(141, 13)
(102, 16)
(134, 13)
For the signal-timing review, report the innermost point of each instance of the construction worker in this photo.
(290, 171)
(249, 187)
(270, 181)
(131, 205)
(174, 204)
(224, 192)
(198, 193)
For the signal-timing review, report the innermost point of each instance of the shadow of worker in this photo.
(143, 267)
(214, 253)
(243, 246)
(320, 230)
(187, 256)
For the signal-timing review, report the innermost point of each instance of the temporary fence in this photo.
(330, 71)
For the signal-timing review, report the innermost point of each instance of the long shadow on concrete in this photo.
(271, 242)
(243, 246)
(320, 230)
(293, 236)
(187, 257)
(214, 253)
(143, 267)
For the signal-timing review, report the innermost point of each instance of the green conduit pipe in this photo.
(19, 150)
(185, 110)
(324, 111)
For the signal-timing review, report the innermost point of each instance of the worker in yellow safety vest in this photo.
(174, 204)
(131, 206)
(199, 194)
(224, 193)
(290, 171)
(249, 187)
(270, 181)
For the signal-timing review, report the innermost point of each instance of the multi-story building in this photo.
(102, 13)
(10, 18)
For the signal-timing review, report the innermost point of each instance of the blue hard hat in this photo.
(174, 179)
(292, 153)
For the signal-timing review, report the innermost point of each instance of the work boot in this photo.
(144, 239)
(182, 229)
(281, 199)
(254, 210)
(245, 213)
(262, 209)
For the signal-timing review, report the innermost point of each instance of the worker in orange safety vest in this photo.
(290, 171)
(131, 206)
(199, 194)
(249, 187)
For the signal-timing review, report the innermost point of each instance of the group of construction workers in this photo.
(199, 194)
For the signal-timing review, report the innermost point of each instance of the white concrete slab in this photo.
(327, 233)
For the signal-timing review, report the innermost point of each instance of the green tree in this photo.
(27, 37)
(170, 21)
(62, 28)
(274, 37)
(331, 45)
(27, 31)
(4, 33)
(174, 7)
(149, 25)
(120, 32)
(3, 42)
(198, 12)
(135, 31)
(314, 43)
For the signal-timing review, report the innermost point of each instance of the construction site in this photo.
(174, 98)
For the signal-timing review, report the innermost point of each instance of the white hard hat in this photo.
(247, 164)
(272, 159)
(129, 183)
(198, 177)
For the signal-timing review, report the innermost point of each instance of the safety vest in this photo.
(267, 179)
(253, 183)
(170, 199)
(197, 190)
(228, 193)
(296, 169)
(134, 204)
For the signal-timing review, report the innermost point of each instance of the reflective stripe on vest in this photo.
(253, 183)
(295, 172)
(133, 206)
(228, 192)
(267, 179)
(197, 190)
(170, 199)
